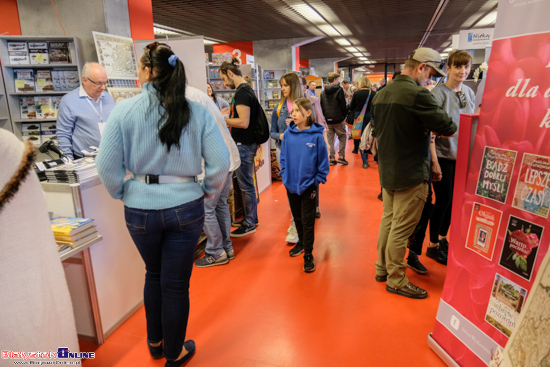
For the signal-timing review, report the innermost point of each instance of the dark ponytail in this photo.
(169, 82)
(233, 66)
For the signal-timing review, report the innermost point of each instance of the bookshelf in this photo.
(213, 75)
(5, 122)
(270, 89)
(11, 117)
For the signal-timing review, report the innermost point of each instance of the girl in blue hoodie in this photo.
(304, 165)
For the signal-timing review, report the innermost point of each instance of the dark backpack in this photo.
(261, 126)
(261, 129)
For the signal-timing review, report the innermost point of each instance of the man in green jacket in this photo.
(404, 113)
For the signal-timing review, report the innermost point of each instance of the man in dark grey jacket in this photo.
(404, 113)
(333, 104)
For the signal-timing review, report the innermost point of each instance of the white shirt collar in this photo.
(82, 93)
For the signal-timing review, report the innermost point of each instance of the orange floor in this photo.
(262, 309)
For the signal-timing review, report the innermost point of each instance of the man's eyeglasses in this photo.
(97, 84)
(461, 99)
(151, 47)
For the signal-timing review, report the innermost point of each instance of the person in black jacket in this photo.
(333, 104)
(356, 106)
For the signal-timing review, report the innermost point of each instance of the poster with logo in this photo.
(520, 248)
(495, 173)
(532, 192)
(505, 304)
(483, 230)
(495, 151)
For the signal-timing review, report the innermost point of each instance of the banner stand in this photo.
(441, 352)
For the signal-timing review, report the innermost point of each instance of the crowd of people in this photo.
(179, 184)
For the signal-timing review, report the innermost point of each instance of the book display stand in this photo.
(215, 80)
(270, 89)
(38, 72)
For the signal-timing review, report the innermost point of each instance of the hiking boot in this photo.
(211, 260)
(332, 162)
(243, 230)
(309, 264)
(381, 278)
(292, 236)
(436, 254)
(415, 264)
(238, 223)
(296, 250)
(355, 151)
(366, 165)
(444, 245)
(410, 291)
(230, 254)
(342, 161)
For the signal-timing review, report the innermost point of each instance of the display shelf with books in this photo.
(269, 87)
(38, 71)
(215, 80)
(5, 122)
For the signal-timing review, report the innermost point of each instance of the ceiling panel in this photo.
(389, 30)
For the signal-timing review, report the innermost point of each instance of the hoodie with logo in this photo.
(304, 159)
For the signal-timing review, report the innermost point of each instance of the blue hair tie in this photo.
(173, 60)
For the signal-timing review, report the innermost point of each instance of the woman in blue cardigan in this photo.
(161, 137)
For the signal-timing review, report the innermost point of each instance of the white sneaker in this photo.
(292, 234)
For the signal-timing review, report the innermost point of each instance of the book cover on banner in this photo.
(529, 343)
(505, 304)
(483, 230)
(495, 173)
(532, 192)
(521, 246)
(68, 226)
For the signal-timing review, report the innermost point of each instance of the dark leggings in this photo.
(440, 220)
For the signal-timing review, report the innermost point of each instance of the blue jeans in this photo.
(166, 240)
(217, 221)
(246, 182)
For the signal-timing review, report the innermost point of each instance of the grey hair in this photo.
(88, 67)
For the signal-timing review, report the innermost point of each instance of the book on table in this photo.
(76, 236)
(68, 226)
(79, 242)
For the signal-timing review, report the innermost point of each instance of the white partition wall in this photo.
(190, 50)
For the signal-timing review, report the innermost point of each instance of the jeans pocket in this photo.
(135, 221)
(191, 215)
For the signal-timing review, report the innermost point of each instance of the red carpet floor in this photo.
(262, 310)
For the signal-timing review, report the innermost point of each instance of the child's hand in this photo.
(288, 121)
(281, 137)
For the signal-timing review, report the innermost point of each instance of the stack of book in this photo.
(76, 172)
(72, 232)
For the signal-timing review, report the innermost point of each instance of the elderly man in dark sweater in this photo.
(404, 113)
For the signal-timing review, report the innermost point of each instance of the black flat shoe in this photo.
(190, 346)
(156, 352)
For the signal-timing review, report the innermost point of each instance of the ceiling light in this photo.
(309, 13)
(448, 49)
(487, 20)
(358, 54)
(162, 32)
(444, 55)
(329, 30)
(343, 42)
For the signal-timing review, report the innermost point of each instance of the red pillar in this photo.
(9, 23)
(141, 19)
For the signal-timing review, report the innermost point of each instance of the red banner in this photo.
(501, 203)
